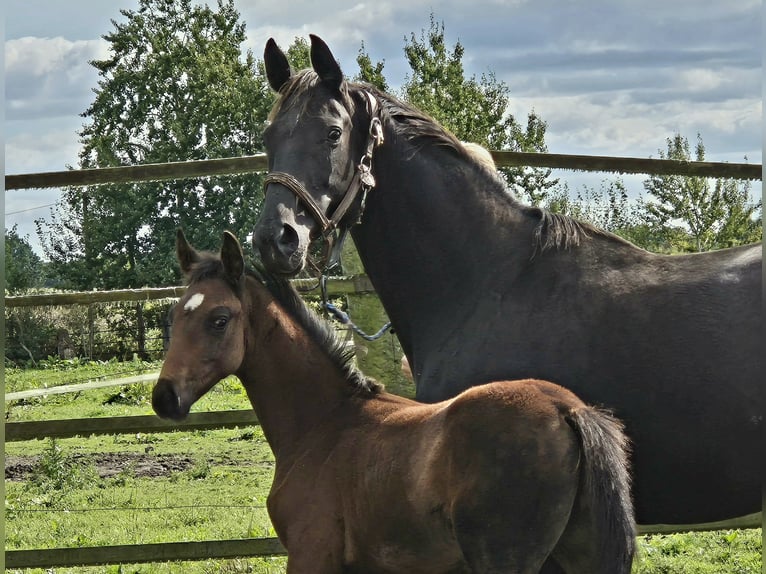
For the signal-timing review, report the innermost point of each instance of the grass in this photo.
(92, 491)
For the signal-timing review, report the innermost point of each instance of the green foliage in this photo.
(369, 72)
(23, 268)
(135, 394)
(714, 214)
(475, 110)
(472, 109)
(34, 333)
(173, 88)
(730, 551)
(56, 472)
(682, 213)
(610, 208)
(28, 335)
(299, 54)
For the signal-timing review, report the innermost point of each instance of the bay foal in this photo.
(497, 479)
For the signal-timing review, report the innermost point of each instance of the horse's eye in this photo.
(219, 320)
(334, 134)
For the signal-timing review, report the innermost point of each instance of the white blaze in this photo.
(194, 302)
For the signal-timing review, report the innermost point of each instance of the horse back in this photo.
(508, 426)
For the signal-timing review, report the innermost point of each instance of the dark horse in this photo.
(494, 480)
(481, 287)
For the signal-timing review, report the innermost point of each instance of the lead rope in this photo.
(344, 319)
(366, 183)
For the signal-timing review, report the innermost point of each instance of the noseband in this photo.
(362, 182)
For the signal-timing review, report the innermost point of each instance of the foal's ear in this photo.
(232, 257)
(277, 67)
(324, 63)
(186, 254)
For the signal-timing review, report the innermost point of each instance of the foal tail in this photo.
(606, 483)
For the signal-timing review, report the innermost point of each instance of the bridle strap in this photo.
(300, 192)
(361, 182)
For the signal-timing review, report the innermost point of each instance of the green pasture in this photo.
(201, 485)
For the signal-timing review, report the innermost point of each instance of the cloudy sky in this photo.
(610, 77)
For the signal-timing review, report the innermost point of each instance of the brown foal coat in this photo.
(497, 479)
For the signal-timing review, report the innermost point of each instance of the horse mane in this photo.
(319, 330)
(554, 230)
(561, 231)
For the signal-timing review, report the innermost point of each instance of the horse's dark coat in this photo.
(480, 287)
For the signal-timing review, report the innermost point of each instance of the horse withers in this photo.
(497, 479)
(480, 287)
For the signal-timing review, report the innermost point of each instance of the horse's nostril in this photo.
(287, 241)
(166, 402)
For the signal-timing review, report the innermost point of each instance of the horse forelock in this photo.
(294, 90)
(208, 266)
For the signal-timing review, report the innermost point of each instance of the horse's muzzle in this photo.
(280, 248)
(167, 403)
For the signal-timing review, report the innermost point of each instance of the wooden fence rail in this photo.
(143, 553)
(67, 428)
(256, 163)
(348, 285)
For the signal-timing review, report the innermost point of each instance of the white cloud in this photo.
(47, 77)
(625, 127)
(44, 148)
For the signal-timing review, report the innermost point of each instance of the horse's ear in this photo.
(277, 67)
(186, 254)
(232, 257)
(324, 63)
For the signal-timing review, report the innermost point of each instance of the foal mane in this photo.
(319, 330)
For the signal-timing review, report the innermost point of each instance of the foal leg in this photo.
(513, 523)
(501, 538)
(314, 560)
(515, 477)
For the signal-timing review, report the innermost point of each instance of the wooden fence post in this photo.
(141, 327)
(91, 330)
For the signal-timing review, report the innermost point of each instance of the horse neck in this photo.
(290, 381)
(441, 201)
(433, 228)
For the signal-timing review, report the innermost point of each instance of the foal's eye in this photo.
(219, 319)
(334, 134)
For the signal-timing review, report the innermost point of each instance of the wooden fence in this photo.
(220, 549)
(255, 163)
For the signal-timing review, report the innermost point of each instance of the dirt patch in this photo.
(20, 468)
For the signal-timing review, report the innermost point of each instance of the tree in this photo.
(23, 267)
(173, 88)
(372, 74)
(474, 110)
(715, 215)
(299, 54)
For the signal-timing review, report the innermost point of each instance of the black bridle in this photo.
(330, 228)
